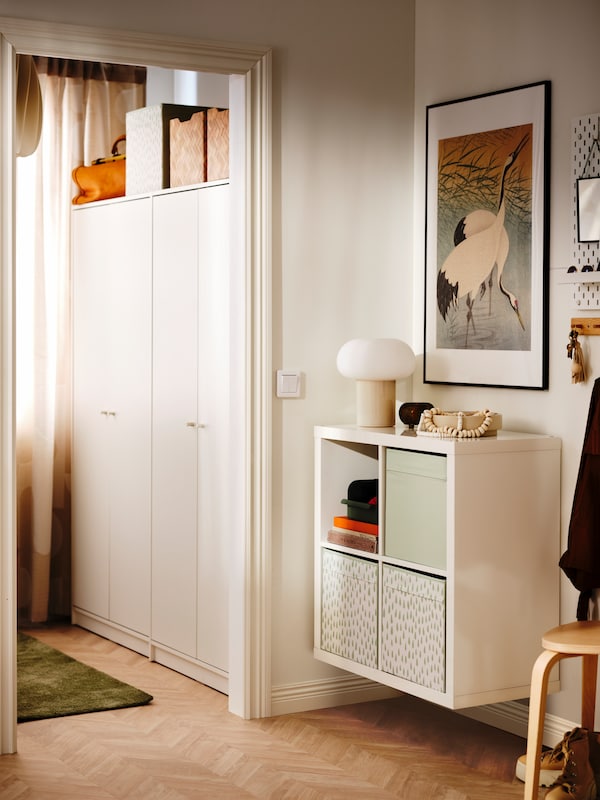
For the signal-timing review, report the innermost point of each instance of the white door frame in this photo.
(251, 99)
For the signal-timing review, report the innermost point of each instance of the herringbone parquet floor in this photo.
(185, 744)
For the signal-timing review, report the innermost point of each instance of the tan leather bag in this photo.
(103, 179)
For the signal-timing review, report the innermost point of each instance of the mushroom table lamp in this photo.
(376, 365)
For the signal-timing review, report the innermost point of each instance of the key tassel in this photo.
(575, 353)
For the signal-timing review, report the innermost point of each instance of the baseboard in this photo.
(110, 630)
(512, 717)
(210, 676)
(327, 693)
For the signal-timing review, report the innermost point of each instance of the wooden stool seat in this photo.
(577, 638)
(564, 641)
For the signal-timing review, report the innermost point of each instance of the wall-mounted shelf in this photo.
(580, 277)
(586, 289)
(586, 326)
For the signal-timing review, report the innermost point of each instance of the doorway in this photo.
(250, 94)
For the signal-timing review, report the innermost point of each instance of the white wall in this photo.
(342, 171)
(344, 192)
(473, 46)
(186, 88)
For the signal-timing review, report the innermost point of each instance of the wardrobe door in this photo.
(111, 411)
(214, 448)
(129, 475)
(190, 431)
(90, 445)
(174, 425)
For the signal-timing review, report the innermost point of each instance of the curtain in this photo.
(84, 106)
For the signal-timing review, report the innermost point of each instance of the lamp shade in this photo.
(376, 359)
(376, 364)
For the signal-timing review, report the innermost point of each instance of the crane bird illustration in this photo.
(481, 243)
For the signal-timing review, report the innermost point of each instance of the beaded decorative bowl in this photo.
(459, 424)
(470, 420)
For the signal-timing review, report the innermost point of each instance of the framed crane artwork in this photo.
(486, 244)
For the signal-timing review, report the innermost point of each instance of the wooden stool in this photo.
(565, 641)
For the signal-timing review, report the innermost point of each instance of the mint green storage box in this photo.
(415, 508)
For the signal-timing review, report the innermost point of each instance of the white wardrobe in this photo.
(150, 433)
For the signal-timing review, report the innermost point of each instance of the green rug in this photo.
(52, 684)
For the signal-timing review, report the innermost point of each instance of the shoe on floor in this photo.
(577, 780)
(552, 763)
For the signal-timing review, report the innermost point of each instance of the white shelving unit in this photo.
(465, 579)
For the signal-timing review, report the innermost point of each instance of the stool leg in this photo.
(589, 678)
(537, 714)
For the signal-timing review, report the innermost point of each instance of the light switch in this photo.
(288, 383)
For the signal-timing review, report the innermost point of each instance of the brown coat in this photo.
(581, 561)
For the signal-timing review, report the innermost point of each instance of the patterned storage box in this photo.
(413, 627)
(349, 607)
(217, 144)
(187, 145)
(148, 161)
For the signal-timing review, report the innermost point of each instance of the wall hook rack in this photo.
(586, 326)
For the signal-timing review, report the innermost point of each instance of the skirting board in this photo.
(328, 693)
(193, 668)
(123, 636)
(210, 676)
(510, 716)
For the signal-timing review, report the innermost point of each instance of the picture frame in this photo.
(486, 239)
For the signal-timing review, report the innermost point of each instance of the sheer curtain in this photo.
(84, 106)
